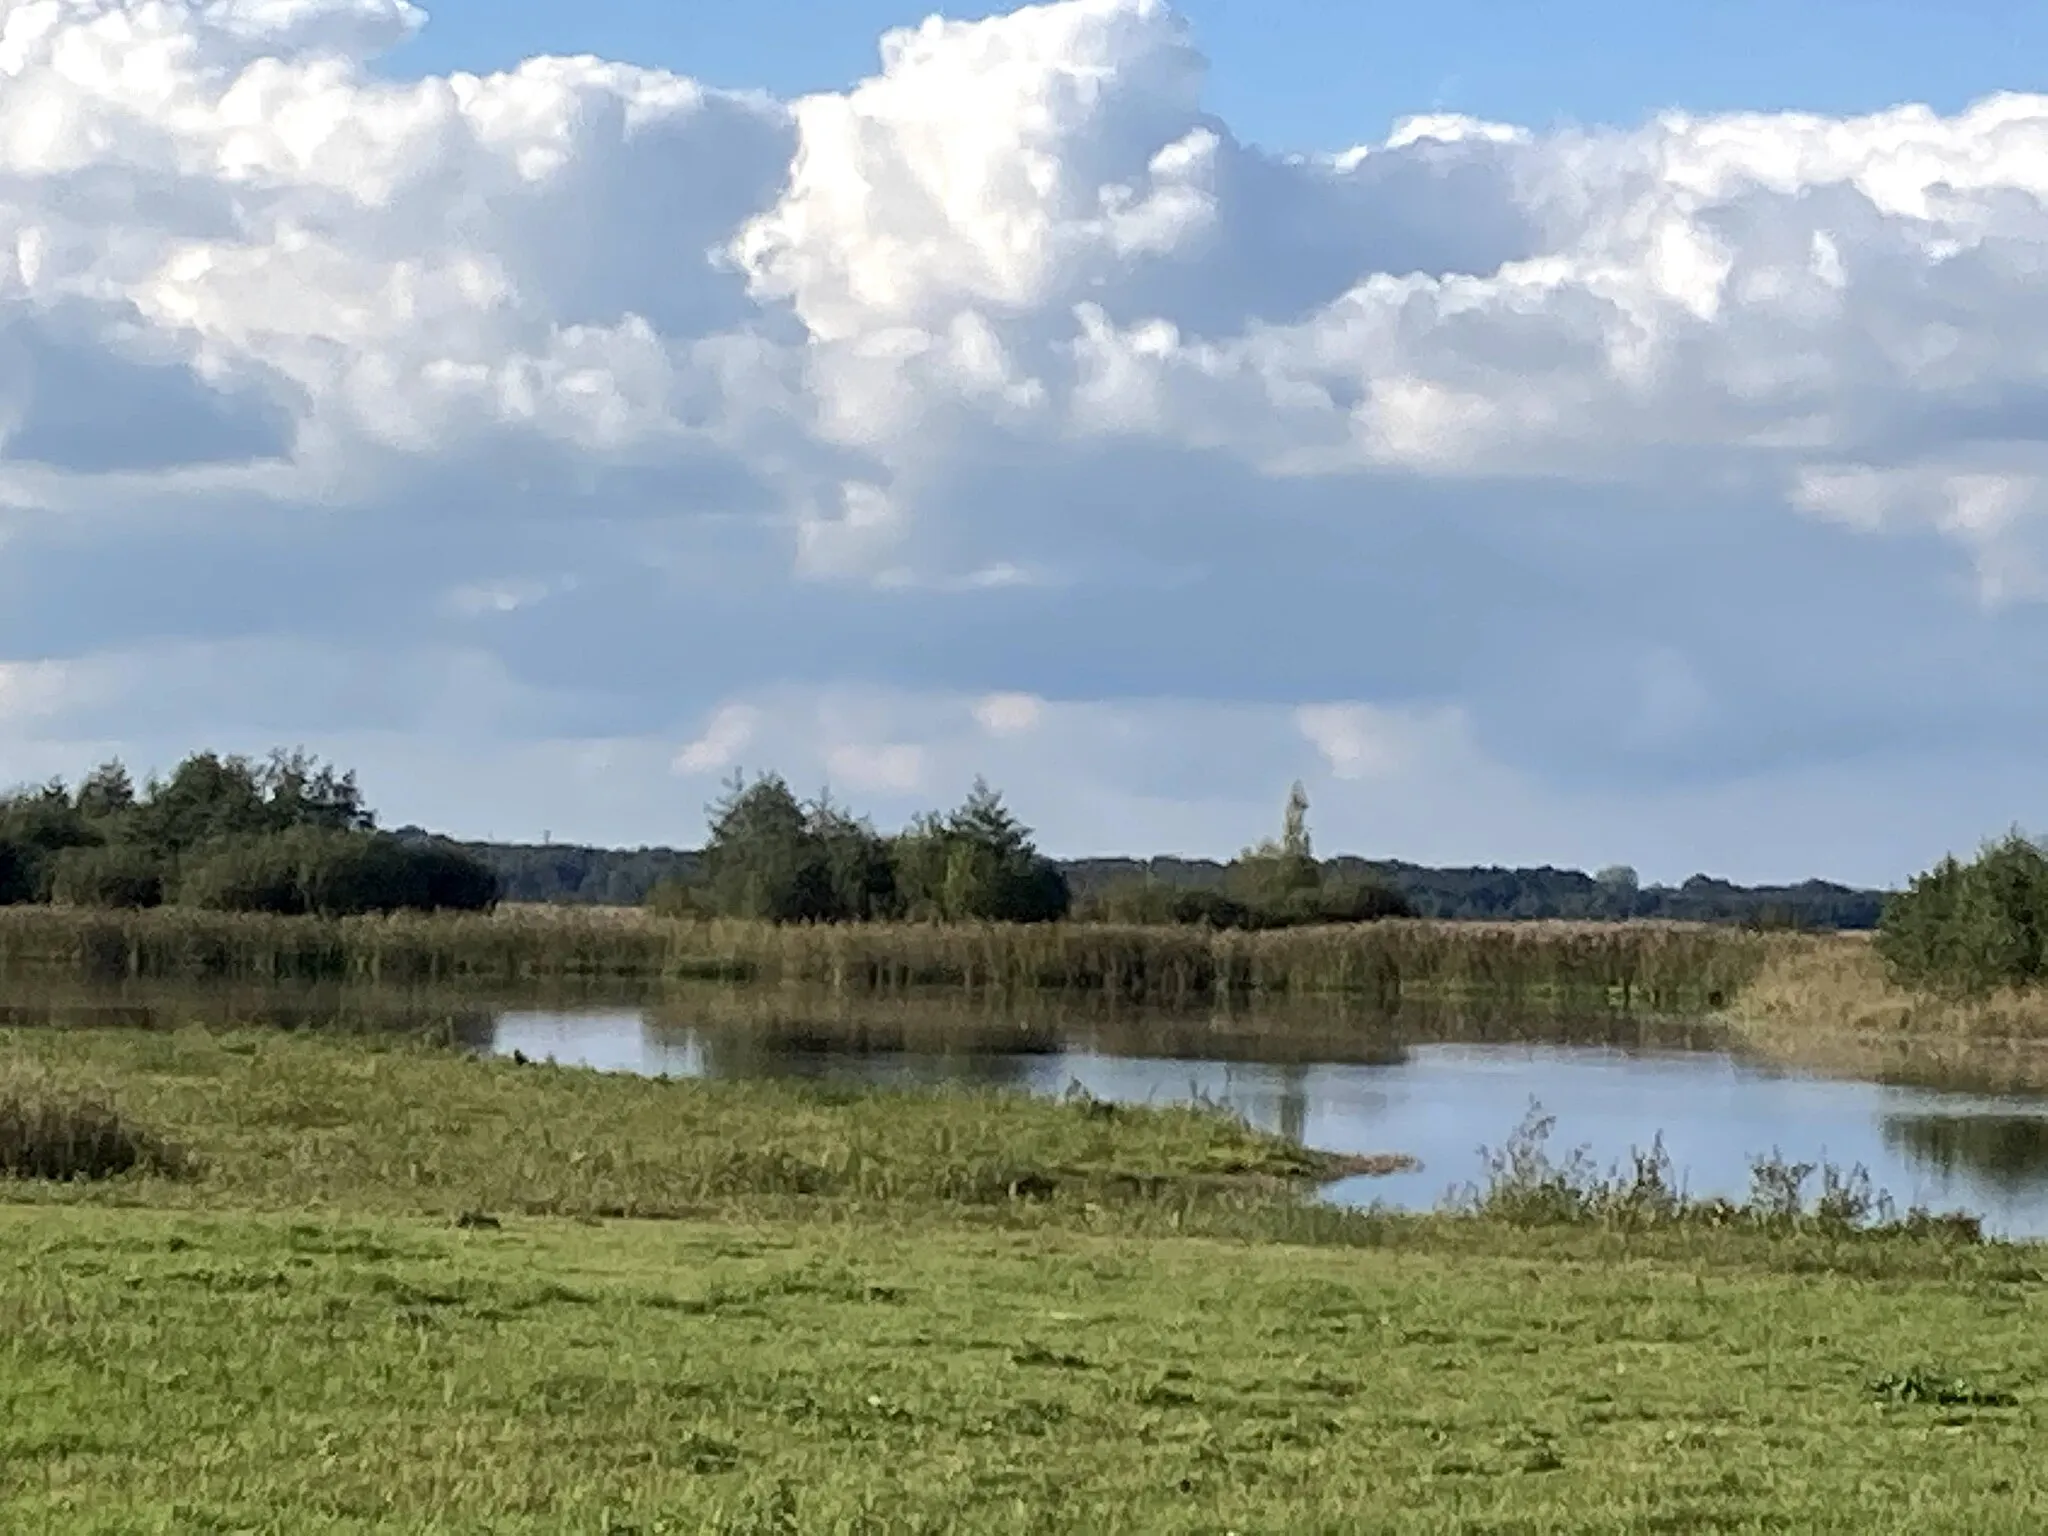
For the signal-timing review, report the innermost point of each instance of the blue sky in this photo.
(1311, 74)
(1132, 404)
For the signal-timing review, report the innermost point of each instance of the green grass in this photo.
(175, 1372)
(306, 1121)
(384, 1294)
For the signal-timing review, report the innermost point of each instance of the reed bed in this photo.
(1831, 1006)
(1652, 966)
(1843, 987)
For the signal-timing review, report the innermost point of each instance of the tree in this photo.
(36, 826)
(301, 791)
(859, 874)
(1277, 877)
(977, 864)
(1972, 927)
(106, 793)
(774, 859)
(207, 797)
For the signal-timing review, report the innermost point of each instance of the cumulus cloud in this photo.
(646, 424)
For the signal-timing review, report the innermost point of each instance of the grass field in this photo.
(388, 1288)
(244, 1373)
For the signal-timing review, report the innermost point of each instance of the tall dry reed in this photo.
(1652, 966)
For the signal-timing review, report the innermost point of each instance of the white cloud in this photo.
(729, 733)
(1009, 714)
(893, 768)
(1579, 468)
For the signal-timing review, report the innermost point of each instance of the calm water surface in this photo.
(1611, 1087)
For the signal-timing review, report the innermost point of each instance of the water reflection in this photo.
(2004, 1153)
(1431, 1083)
(1436, 1085)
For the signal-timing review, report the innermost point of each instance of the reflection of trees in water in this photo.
(1294, 1104)
(2007, 1152)
(945, 1036)
(881, 1057)
(462, 1019)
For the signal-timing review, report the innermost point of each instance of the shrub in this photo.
(335, 874)
(1972, 927)
(247, 874)
(117, 876)
(455, 880)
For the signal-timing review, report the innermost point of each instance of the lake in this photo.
(1435, 1088)
(1435, 1085)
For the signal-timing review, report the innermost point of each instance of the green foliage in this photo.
(1278, 884)
(289, 835)
(333, 874)
(250, 873)
(209, 797)
(977, 864)
(1972, 928)
(105, 794)
(1525, 1186)
(36, 827)
(772, 858)
(111, 875)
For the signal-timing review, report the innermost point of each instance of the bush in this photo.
(1972, 927)
(335, 874)
(1332, 901)
(247, 874)
(116, 876)
(455, 880)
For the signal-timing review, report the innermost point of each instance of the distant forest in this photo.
(560, 872)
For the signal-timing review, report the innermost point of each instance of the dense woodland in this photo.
(288, 835)
(1157, 888)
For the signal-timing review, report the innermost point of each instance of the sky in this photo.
(1578, 434)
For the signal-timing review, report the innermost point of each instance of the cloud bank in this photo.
(553, 442)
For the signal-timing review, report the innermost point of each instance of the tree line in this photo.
(773, 857)
(1155, 889)
(288, 834)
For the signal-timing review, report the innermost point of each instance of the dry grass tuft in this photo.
(65, 1135)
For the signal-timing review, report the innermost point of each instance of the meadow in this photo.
(379, 1285)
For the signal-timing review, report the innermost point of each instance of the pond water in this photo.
(1433, 1085)
(1411, 1086)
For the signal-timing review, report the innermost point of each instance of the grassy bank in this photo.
(1637, 965)
(381, 1293)
(307, 1122)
